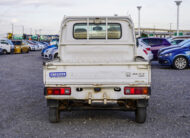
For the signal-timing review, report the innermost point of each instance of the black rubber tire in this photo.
(54, 114)
(56, 55)
(140, 114)
(50, 57)
(4, 52)
(177, 58)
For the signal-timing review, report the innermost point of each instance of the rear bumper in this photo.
(149, 57)
(61, 97)
(106, 93)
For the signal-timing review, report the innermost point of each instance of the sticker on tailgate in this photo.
(57, 74)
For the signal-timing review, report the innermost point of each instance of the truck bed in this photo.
(131, 73)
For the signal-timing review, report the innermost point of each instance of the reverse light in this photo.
(59, 91)
(136, 90)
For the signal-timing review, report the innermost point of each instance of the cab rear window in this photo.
(97, 31)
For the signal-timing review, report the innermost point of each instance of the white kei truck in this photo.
(97, 68)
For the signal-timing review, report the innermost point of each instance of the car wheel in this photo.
(180, 63)
(54, 114)
(139, 59)
(4, 52)
(56, 55)
(140, 114)
(50, 56)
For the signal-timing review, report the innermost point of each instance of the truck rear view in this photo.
(97, 68)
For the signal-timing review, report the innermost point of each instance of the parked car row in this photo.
(20, 46)
(174, 52)
(176, 56)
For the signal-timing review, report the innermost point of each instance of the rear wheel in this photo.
(180, 63)
(140, 114)
(54, 114)
(4, 51)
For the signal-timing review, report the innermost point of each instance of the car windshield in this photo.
(175, 42)
(30, 42)
(17, 42)
(10, 42)
(187, 44)
(156, 41)
(184, 42)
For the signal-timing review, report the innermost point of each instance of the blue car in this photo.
(177, 57)
(174, 46)
(43, 50)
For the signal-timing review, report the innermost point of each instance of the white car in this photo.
(41, 46)
(33, 46)
(6, 46)
(144, 51)
(48, 52)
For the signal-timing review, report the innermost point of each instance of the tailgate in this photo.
(94, 74)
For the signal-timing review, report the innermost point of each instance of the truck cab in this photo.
(97, 68)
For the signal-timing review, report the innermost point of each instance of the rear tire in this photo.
(54, 114)
(140, 114)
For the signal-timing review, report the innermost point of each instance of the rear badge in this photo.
(57, 74)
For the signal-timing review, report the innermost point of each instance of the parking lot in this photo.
(23, 111)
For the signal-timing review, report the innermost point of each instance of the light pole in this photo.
(139, 23)
(178, 4)
(12, 28)
(30, 31)
(170, 29)
(23, 29)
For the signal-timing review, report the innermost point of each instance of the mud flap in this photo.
(52, 103)
(142, 103)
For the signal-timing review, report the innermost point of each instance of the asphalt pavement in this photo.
(24, 114)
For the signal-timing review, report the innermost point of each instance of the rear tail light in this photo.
(148, 49)
(136, 90)
(58, 91)
(145, 52)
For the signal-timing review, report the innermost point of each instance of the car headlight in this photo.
(169, 54)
